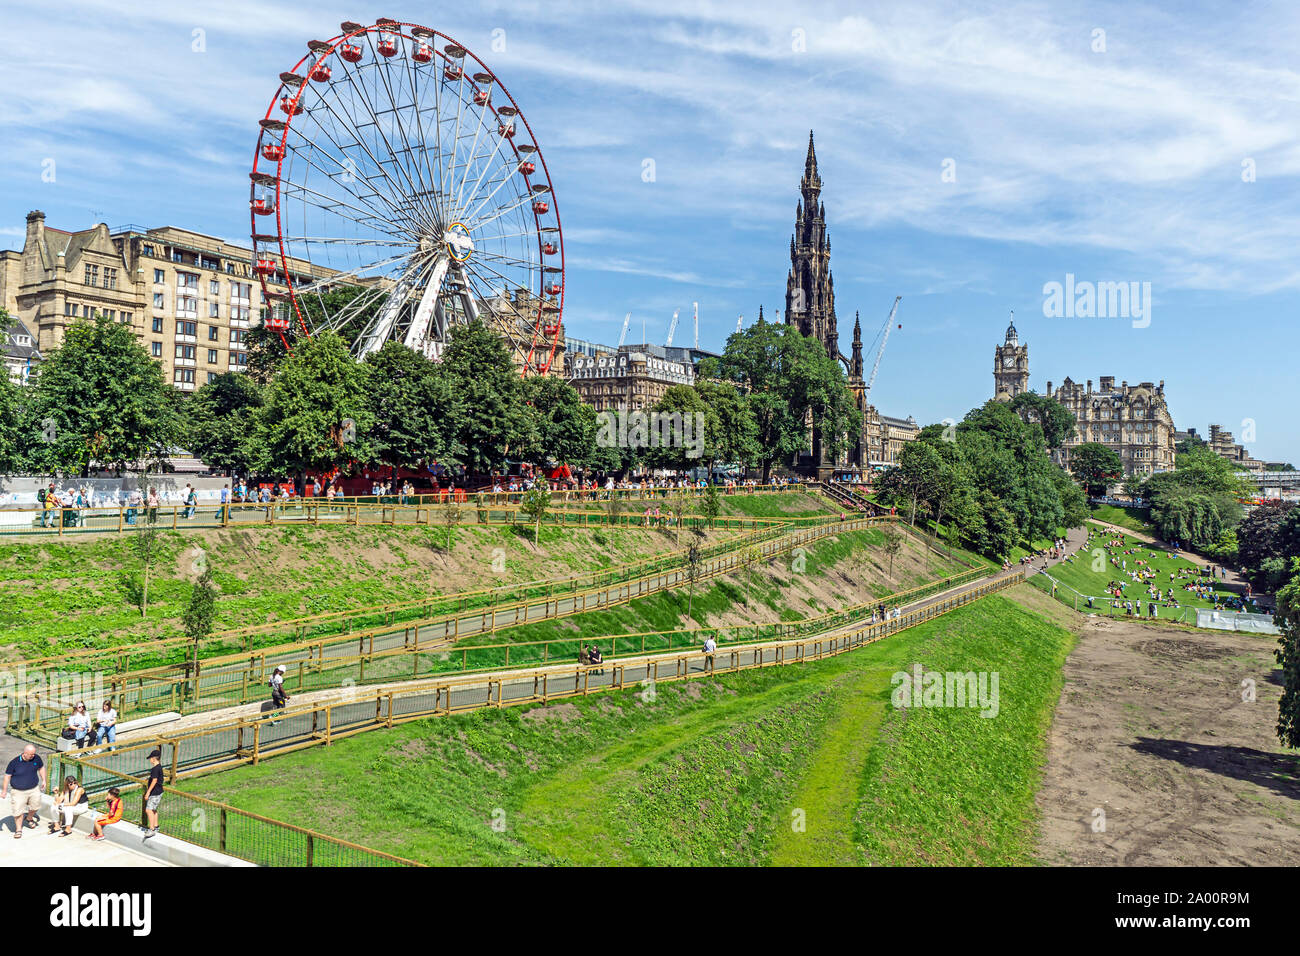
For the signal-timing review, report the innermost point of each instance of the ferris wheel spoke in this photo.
(409, 190)
(432, 185)
(484, 200)
(333, 204)
(504, 210)
(487, 165)
(378, 213)
(348, 165)
(341, 277)
(412, 163)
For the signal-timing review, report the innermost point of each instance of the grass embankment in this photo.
(1134, 519)
(708, 772)
(85, 592)
(1089, 571)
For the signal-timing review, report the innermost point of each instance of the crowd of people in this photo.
(25, 781)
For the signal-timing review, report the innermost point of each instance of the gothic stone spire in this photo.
(809, 291)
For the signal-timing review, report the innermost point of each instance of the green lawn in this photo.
(1090, 571)
(1135, 519)
(711, 772)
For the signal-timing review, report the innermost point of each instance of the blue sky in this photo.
(1122, 163)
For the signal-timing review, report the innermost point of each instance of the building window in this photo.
(92, 275)
(187, 306)
(183, 375)
(187, 280)
(212, 333)
(157, 324)
(158, 301)
(212, 377)
(212, 356)
(214, 310)
(238, 358)
(241, 292)
(127, 317)
(110, 278)
(159, 276)
(185, 352)
(238, 336)
(187, 328)
(156, 348)
(146, 250)
(214, 287)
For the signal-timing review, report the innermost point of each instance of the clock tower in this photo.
(1010, 366)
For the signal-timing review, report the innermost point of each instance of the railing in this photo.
(231, 679)
(226, 829)
(133, 656)
(240, 682)
(490, 508)
(249, 740)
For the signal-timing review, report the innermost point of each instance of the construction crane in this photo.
(672, 328)
(697, 324)
(622, 336)
(884, 339)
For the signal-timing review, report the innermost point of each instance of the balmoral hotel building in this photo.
(190, 299)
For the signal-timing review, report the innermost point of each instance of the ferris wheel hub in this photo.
(460, 245)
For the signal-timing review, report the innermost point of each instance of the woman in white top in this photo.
(70, 802)
(80, 722)
(107, 721)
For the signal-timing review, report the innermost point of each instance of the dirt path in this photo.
(1153, 733)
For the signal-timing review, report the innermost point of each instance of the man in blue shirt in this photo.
(26, 774)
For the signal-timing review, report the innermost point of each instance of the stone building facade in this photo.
(629, 378)
(191, 299)
(1132, 420)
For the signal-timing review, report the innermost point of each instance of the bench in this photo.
(125, 727)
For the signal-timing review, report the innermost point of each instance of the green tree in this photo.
(534, 505)
(100, 398)
(1287, 618)
(787, 379)
(494, 421)
(221, 423)
(412, 408)
(1053, 419)
(147, 543)
(711, 506)
(694, 570)
(198, 618)
(563, 426)
(1095, 466)
(892, 545)
(316, 415)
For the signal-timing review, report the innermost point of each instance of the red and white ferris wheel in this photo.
(397, 191)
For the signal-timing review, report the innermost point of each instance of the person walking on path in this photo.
(153, 793)
(26, 774)
(710, 647)
(278, 697)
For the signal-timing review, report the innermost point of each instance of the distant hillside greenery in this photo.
(1198, 503)
(989, 478)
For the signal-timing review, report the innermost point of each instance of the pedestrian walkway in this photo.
(73, 853)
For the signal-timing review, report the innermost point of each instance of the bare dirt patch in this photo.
(1153, 732)
(560, 712)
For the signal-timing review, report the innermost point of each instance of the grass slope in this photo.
(711, 772)
(85, 592)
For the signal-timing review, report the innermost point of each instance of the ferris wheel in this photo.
(398, 191)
